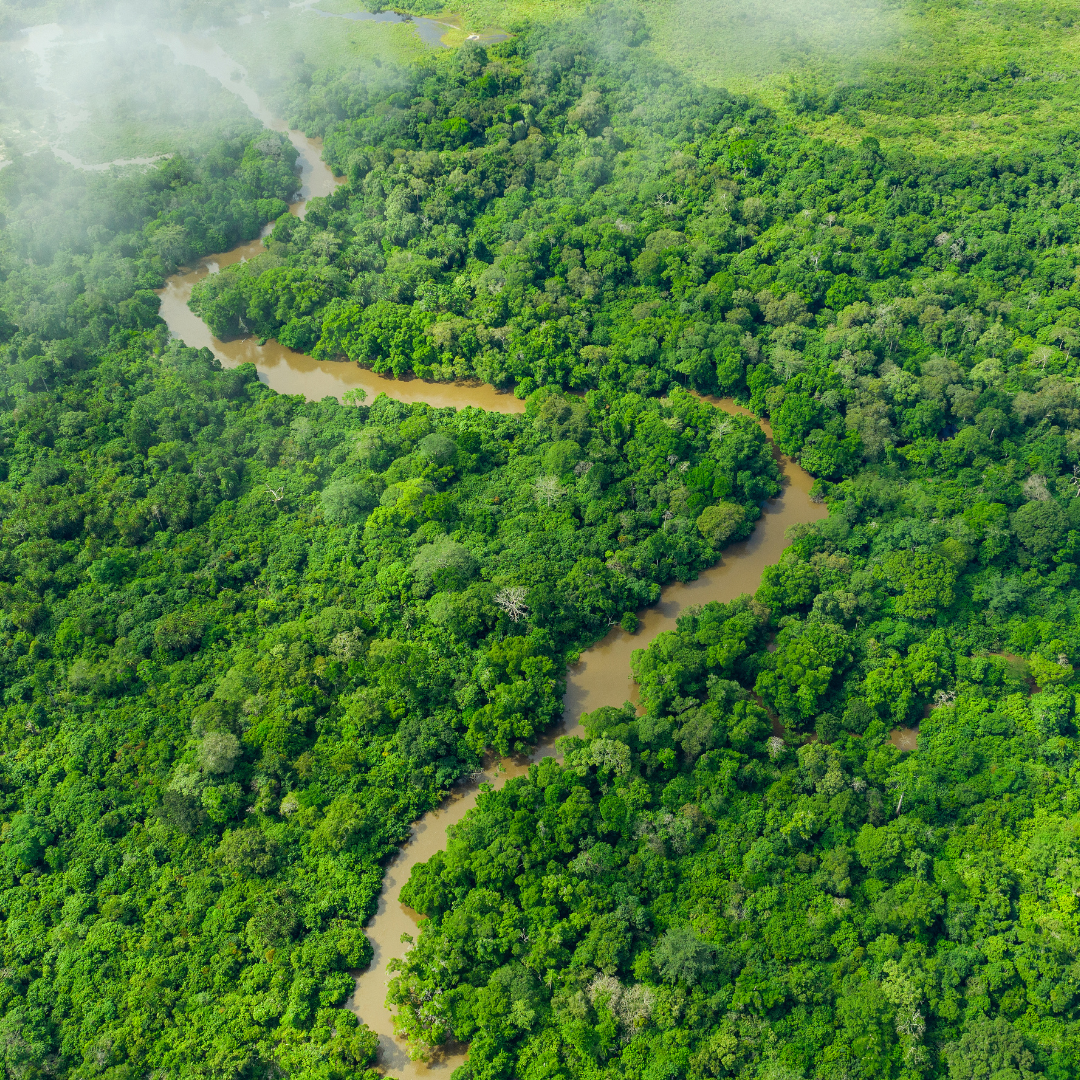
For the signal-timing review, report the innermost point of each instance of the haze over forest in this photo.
(596, 486)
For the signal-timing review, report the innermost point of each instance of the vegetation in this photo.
(494, 230)
(255, 638)
(294, 43)
(187, 15)
(691, 893)
(248, 639)
(125, 98)
(939, 77)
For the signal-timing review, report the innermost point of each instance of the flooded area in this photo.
(905, 738)
(430, 31)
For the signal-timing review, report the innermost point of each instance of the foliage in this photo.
(80, 253)
(746, 876)
(834, 903)
(530, 214)
(248, 639)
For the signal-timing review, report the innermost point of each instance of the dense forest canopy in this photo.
(248, 639)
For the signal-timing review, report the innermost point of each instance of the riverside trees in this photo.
(248, 639)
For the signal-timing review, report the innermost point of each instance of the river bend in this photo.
(601, 676)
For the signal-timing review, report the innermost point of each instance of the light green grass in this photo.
(766, 47)
(743, 44)
(914, 48)
(263, 46)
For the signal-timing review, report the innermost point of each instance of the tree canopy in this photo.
(248, 639)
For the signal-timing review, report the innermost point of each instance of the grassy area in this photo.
(941, 76)
(962, 78)
(742, 44)
(264, 45)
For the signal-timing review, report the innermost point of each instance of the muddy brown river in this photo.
(601, 677)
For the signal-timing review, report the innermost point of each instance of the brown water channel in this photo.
(601, 677)
(279, 367)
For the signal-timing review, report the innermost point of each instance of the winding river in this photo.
(279, 367)
(601, 677)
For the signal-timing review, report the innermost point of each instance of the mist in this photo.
(135, 83)
(114, 92)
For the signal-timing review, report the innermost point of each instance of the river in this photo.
(602, 675)
(291, 372)
(279, 367)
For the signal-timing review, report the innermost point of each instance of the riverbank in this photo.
(601, 676)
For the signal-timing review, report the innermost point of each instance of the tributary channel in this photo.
(601, 677)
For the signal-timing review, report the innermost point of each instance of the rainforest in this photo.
(249, 639)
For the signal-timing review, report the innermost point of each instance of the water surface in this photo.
(601, 677)
(431, 31)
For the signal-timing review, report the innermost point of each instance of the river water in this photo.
(280, 368)
(291, 372)
(601, 677)
(430, 31)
